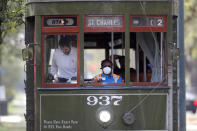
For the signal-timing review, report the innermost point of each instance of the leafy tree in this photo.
(190, 20)
(11, 16)
(12, 65)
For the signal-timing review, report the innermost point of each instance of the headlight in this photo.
(104, 116)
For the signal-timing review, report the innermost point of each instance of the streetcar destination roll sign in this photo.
(104, 21)
(60, 21)
(147, 21)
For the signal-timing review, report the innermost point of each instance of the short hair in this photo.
(104, 61)
(65, 41)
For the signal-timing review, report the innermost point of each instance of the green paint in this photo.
(67, 107)
(68, 8)
(81, 50)
(127, 50)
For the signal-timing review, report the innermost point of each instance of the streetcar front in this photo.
(100, 65)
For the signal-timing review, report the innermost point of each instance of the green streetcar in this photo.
(138, 36)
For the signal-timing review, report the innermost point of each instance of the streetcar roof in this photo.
(42, 1)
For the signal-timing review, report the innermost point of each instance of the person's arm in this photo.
(54, 67)
(119, 80)
(75, 61)
(96, 80)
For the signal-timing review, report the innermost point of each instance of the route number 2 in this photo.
(104, 100)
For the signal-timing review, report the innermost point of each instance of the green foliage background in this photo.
(12, 64)
(190, 35)
(12, 15)
(11, 42)
(190, 19)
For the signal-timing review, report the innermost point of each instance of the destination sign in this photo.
(60, 21)
(104, 21)
(147, 21)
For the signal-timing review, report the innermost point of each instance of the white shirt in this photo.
(64, 66)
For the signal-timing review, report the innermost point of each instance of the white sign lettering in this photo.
(99, 21)
(104, 100)
(58, 21)
(148, 21)
(59, 124)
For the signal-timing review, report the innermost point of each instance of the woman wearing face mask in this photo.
(107, 76)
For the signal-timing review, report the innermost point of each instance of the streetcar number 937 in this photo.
(104, 100)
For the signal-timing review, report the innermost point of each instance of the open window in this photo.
(103, 39)
(58, 64)
(59, 51)
(98, 47)
(147, 43)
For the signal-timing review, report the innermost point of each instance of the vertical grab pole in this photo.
(137, 61)
(123, 45)
(112, 49)
(81, 51)
(145, 68)
(161, 55)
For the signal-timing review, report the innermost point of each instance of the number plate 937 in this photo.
(104, 100)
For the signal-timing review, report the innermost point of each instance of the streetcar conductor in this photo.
(64, 61)
(107, 76)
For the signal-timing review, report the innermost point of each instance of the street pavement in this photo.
(191, 121)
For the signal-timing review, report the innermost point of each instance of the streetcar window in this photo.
(100, 46)
(60, 59)
(148, 51)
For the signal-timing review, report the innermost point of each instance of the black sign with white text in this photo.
(60, 21)
(147, 21)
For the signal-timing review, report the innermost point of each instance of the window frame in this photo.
(151, 29)
(58, 31)
(104, 29)
(75, 30)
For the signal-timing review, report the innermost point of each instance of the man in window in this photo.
(107, 76)
(64, 62)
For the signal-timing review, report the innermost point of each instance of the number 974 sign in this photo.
(104, 100)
